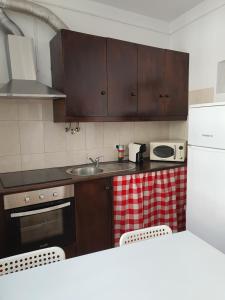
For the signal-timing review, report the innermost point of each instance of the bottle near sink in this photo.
(121, 152)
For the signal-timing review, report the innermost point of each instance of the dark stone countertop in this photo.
(16, 182)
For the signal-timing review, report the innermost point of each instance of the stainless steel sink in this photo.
(104, 168)
(84, 171)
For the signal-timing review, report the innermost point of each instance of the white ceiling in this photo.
(166, 10)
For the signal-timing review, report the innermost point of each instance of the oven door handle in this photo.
(39, 211)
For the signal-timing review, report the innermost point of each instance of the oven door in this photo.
(163, 152)
(39, 226)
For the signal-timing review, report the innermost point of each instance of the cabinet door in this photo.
(3, 231)
(122, 78)
(85, 76)
(175, 93)
(150, 79)
(93, 215)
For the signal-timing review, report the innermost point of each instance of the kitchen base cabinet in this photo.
(93, 202)
(2, 229)
(149, 199)
(70, 250)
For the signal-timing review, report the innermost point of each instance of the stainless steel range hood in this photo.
(23, 83)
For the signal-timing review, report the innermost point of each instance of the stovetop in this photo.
(16, 179)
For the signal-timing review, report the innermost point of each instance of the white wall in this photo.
(88, 17)
(201, 32)
(28, 137)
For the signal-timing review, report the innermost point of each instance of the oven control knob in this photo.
(27, 199)
(55, 194)
(41, 197)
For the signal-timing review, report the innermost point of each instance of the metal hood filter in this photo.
(23, 83)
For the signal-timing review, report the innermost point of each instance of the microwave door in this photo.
(164, 152)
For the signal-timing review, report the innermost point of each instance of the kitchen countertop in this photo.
(45, 178)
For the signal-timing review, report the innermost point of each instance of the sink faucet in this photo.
(95, 161)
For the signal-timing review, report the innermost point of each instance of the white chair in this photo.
(30, 260)
(144, 234)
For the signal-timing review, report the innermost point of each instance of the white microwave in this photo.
(172, 150)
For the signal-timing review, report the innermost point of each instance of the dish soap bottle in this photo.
(121, 152)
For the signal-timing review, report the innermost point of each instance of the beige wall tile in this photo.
(76, 141)
(54, 137)
(110, 153)
(94, 135)
(8, 110)
(56, 159)
(30, 110)
(159, 130)
(76, 157)
(10, 163)
(93, 153)
(201, 96)
(33, 161)
(9, 138)
(142, 132)
(126, 132)
(179, 130)
(32, 136)
(111, 134)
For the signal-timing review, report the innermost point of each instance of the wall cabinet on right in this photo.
(162, 83)
(111, 80)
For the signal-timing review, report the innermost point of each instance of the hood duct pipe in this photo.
(23, 82)
(9, 25)
(36, 10)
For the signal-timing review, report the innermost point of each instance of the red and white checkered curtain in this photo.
(149, 199)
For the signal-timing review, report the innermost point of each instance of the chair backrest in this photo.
(144, 234)
(30, 260)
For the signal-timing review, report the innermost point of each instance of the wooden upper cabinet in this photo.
(122, 78)
(162, 83)
(150, 79)
(83, 64)
(112, 80)
(175, 92)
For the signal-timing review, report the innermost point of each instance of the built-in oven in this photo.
(39, 219)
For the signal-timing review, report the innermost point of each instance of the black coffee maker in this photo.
(136, 151)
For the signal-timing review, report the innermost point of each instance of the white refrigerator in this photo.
(205, 212)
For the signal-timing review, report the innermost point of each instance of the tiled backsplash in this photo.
(29, 139)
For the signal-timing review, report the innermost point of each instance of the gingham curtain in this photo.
(149, 199)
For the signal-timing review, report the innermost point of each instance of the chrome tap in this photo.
(95, 161)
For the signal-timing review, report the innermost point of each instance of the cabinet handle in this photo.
(103, 93)
(164, 96)
(108, 188)
(133, 94)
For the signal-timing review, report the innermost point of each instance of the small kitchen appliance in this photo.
(39, 219)
(136, 151)
(171, 150)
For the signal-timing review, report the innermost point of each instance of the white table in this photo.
(177, 267)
